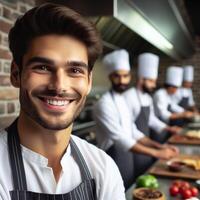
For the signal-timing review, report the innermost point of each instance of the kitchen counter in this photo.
(165, 182)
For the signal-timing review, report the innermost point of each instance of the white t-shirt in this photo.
(40, 178)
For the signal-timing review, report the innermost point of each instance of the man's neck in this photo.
(51, 144)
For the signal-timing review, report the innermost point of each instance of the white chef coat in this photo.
(40, 178)
(185, 92)
(137, 99)
(161, 102)
(109, 112)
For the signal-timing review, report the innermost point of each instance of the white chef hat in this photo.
(148, 66)
(116, 60)
(188, 73)
(174, 76)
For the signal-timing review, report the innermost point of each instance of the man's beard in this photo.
(120, 87)
(32, 111)
(150, 91)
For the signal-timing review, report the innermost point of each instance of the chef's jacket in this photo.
(185, 93)
(162, 102)
(137, 99)
(114, 122)
(40, 177)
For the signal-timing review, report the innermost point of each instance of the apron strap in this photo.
(85, 173)
(16, 161)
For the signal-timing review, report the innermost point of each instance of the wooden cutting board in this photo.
(182, 139)
(160, 168)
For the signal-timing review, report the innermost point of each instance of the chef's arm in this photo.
(150, 143)
(173, 129)
(165, 153)
(182, 115)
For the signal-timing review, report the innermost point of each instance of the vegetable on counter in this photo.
(183, 188)
(147, 181)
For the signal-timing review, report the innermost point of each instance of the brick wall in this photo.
(9, 105)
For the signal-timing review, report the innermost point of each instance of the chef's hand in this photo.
(166, 154)
(174, 129)
(172, 147)
(188, 114)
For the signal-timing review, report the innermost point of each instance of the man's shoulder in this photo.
(160, 91)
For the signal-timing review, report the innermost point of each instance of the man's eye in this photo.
(76, 70)
(41, 68)
(44, 68)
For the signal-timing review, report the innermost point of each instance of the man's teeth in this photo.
(57, 103)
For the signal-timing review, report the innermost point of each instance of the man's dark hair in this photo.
(51, 18)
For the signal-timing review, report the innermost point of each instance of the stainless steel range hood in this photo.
(137, 25)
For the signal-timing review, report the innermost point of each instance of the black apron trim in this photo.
(16, 161)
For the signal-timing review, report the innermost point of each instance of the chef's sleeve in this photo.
(161, 106)
(109, 122)
(137, 134)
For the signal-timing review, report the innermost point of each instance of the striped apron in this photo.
(85, 191)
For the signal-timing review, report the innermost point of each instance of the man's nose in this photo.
(59, 81)
(122, 80)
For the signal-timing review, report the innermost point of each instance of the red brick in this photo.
(7, 12)
(9, 94)
(1, 38)
(5, 54)
(5, 80)
(5, 26)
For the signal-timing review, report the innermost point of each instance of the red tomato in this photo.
(177, 183)
(186, 194)
(182, 189)
(174, 190)
(194, 191)
(185, 184)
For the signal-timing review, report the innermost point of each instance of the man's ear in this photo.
(15, 75)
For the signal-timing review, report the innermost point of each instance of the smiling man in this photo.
(54, 50)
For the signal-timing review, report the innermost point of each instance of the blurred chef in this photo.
(140, 103)
(165, 100)
(116, 133)
(184, 94)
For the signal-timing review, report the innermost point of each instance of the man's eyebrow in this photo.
(77, 64)
(39, 60)
(48, 61)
